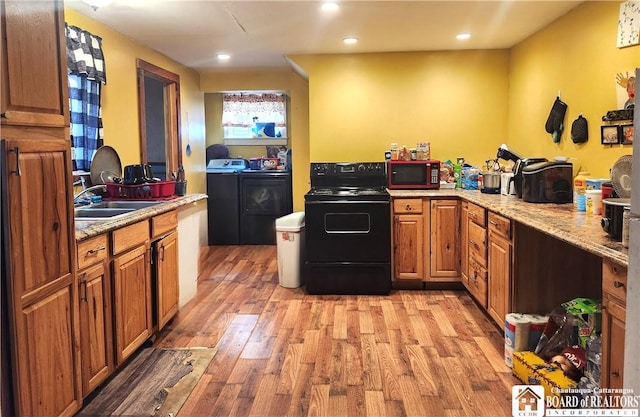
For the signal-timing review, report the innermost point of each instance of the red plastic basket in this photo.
(157, 190)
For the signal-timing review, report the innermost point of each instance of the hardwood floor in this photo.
(284, 353)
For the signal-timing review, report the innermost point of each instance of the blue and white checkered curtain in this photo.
(85, 62)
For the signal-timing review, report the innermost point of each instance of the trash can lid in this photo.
(293, 222)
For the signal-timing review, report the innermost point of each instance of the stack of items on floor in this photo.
(560, 351)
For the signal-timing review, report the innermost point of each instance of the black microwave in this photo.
(416, 175)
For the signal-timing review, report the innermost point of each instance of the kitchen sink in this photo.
(124, 204)
(100, 213)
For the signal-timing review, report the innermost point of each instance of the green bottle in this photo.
(457, 175)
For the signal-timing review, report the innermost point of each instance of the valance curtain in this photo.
(85, 63)
(242, 110)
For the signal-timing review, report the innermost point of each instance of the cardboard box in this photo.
(533, 370)
(589, 317)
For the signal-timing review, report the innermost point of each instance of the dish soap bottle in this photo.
(457, 175)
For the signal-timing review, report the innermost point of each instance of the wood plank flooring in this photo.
(282, 352)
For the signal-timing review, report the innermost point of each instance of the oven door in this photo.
(348, 231)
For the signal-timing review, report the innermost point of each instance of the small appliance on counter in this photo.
(612, 218)
(548, 182)
(416, 174)
(491, 182)
(520, 163)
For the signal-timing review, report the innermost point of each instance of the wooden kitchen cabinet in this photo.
(96, 331)
(614, 295)
(166, 266)
(445, 240)
(408, 239)
(132, 288)
(96, 323)
(464, 247)
(500, 265)
(41, 327)
(42, 289)
(33, 65)
(476, 248)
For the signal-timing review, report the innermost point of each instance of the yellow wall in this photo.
(296, 88)
(360, 103)
(120, 99)
(577, 56)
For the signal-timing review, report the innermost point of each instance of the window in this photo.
(254, 117)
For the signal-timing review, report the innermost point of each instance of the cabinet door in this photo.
(464, 247)
(445, 240)
(408, 246)
(499, 280)
(42, 291)
(613, 330)
(96, 333)
(33, 64)
(132, 301)
(167, 275)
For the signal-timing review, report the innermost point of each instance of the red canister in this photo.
(607, 191)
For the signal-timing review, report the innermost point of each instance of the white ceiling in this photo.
(258, 34)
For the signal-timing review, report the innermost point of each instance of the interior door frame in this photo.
(173, 139)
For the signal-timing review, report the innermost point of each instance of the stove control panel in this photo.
(348, 168)
(342, 174)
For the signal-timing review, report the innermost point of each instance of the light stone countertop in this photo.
(87, 229)
(561, 221)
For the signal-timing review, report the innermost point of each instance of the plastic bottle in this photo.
(457, 175)
(579, 189)
(394, 152)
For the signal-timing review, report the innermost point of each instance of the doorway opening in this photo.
(159, 109)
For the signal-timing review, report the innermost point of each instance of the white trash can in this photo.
(290, 247)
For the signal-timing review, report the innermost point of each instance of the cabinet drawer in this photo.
(614, 281)
(478, 282)
(477, 214)
(407, 205)
(478, 243)
(499, 225)
(164, 223)
(92, 250)
(130, 236)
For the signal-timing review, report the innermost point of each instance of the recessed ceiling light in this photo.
(463, 36)
(224, 57)
(329, 6)
(350, 40)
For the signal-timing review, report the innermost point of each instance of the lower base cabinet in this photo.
(96, 330)
(166, 271)
(132, 300)
(500, 267)
(614, 296)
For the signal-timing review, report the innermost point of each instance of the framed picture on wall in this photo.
(626, 134)
(609, 135)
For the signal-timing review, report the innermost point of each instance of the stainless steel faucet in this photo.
(93, 189)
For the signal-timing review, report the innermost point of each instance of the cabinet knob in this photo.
(408, 207)
(5, 115)
(618, 284)
(615, 374)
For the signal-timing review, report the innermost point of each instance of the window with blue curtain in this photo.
(86, 76)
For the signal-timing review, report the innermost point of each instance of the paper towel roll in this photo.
(536, 327)
(516, 334)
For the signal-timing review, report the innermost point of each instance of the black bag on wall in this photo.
(555, 121)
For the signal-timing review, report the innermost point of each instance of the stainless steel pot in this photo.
(491, 180)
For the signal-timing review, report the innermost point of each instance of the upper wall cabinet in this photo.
(32, 37)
